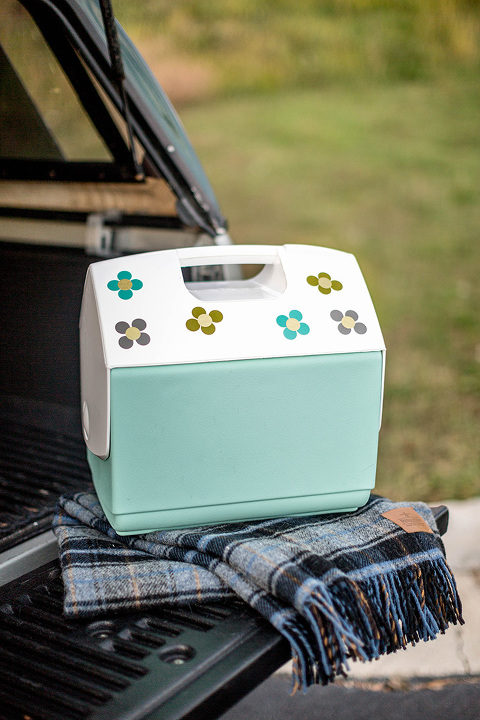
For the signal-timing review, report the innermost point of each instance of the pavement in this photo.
(438, 679)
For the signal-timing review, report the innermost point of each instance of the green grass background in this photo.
(355, 125)
(392, 175)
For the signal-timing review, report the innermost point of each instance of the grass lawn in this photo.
(392, 174)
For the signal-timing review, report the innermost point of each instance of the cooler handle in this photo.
(228, 255)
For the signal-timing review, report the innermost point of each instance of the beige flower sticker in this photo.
(204, 321)
(324, 283)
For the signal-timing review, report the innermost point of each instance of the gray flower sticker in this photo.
(132, 333)
(348, 322)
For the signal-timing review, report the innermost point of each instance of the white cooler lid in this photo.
(138, 311)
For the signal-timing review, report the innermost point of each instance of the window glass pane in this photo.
(59, 127)
(161, 115)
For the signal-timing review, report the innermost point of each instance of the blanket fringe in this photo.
(363, 620)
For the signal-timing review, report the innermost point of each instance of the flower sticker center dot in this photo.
(132, 333)
(348, 322)
(204, 321)
(323, 281)
(293, 324)
(125, 285)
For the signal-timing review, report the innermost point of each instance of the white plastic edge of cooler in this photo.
(248, 329)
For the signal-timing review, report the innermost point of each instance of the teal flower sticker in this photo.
(293, 324)
(125, 285)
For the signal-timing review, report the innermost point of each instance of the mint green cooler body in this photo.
(195, 443)
(215, 442)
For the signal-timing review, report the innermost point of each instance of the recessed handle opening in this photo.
(261, 282)
(257, 273)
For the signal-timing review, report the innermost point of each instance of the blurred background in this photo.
(352, 124)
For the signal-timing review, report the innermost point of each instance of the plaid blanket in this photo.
(339, 587)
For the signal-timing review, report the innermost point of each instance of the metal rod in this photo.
(119, 75)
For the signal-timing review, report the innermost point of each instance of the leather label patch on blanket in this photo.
(408, 519)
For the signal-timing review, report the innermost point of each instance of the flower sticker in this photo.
(292, 324)
(132, 333)
(204, 321)
(324, 283)
(125, 285)
(347, 322)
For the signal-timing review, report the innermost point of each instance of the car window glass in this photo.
(49, 121)
(161, 114)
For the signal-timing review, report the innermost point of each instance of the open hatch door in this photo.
(167, 188)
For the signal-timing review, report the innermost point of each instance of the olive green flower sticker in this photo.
(324, 283)
(204, 321)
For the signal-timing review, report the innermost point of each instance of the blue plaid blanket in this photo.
(338, 587)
